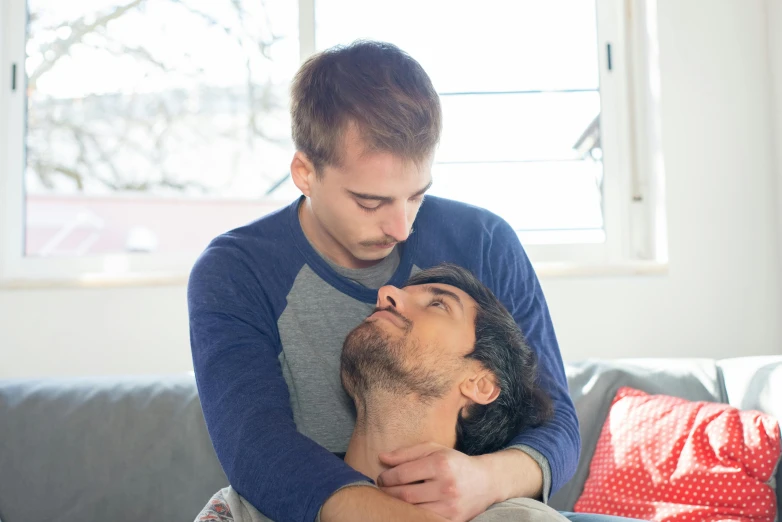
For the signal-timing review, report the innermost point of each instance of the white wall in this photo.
(721, 297)
(775, 57)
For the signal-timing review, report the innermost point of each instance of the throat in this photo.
(403, 423)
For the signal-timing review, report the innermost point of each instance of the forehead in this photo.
(364, 168)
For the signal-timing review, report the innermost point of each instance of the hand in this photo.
(439, 479)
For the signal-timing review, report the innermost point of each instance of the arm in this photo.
(514, 281)
(356, 504)
(245, 399)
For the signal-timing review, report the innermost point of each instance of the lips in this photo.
(388, 316)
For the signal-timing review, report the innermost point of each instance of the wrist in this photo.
(497, 489)
(512, 473)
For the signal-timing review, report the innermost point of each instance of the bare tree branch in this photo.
(79, 29)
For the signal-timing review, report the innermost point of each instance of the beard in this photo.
(374, 362)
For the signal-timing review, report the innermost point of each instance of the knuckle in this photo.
(441, 463)
(449, 489)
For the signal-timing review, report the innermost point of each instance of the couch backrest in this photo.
(136, 448)
(114, 449)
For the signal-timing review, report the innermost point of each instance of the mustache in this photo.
(386, 242)
(408, 323)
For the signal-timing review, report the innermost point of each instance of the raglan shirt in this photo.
(268, 316)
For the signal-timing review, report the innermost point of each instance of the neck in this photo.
(390, 422)
(325, 243)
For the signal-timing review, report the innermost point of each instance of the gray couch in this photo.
(136, 448)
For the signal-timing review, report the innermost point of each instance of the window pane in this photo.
(547, 196)
(137, 111)
(519, 85)
(467, 46)
(515, 127)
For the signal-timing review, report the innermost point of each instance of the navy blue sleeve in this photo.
(244, 397)
(518, 288)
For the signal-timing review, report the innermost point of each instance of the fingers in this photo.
(427, 492)
(403, 455)
(407, 473)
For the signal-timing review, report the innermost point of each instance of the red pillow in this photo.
(667, 459)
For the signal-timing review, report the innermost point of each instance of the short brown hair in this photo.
(375, 86)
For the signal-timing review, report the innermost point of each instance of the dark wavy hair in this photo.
(500, 347)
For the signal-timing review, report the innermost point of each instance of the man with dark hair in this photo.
(443, 330)
(439, 362)
(271, 302)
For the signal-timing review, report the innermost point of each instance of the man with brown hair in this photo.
(271, 302)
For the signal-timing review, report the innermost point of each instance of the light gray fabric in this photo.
(241, 510)
(312, 329)
(118, 449)
(593, 385)
(520, 510)
(373, 276)
(516, 509)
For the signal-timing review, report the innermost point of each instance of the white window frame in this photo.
(633, 181)
(633, 202)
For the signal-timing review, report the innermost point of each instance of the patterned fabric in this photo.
(216, 510)
(670, 460)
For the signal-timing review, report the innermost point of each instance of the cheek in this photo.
(440, 346)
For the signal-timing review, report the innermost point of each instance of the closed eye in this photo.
(366, 208)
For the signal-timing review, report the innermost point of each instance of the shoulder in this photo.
(446, 213)
(259, 257)
(464, 234)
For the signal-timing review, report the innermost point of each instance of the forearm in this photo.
(368, 504)
(514, 474)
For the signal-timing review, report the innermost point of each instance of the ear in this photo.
(481, 387)
(303, 173)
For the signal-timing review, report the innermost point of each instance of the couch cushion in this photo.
(593, 384)
(119, 449)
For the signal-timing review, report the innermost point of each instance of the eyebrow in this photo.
(386, 199)
(437, 291)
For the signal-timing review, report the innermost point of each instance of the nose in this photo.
(391, 297)
(398, 225)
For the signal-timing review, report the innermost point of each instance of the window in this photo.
(140, 129)
(519, 85)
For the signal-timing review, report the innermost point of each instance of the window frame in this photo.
(632, 183)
